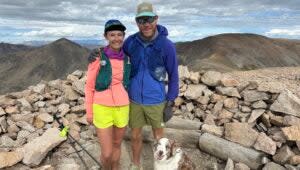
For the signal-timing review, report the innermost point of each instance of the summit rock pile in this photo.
(258, 118)
(264, 119)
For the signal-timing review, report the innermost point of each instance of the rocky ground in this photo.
(221, 120)
(278, 77)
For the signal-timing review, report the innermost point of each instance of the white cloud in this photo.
(68, 31)
(177, 32)
(186, 20)
(166, 11)
(285, 31)
(55, 31)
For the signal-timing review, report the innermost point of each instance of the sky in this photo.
(186, 20)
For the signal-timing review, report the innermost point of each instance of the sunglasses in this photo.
(144, 20)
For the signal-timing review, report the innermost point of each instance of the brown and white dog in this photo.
(168, 155)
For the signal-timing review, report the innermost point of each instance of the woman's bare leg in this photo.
(118, 134)
(105, 137)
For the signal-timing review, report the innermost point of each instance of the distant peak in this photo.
(241, 35)
(64, 41)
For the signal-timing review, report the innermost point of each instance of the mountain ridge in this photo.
(223, 52)
(6, 48)
(230, 52)
(48, 62)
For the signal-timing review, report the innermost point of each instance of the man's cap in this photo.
(114, 24)
(145, 9)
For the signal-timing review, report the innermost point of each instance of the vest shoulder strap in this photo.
(100, 50)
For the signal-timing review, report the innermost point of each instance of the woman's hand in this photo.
(89, 120)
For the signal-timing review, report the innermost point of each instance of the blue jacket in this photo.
(150, 62)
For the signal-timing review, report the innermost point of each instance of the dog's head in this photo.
(165, 148)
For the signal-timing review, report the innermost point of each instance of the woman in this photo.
(107, 102)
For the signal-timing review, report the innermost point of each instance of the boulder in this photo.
(70, 94)
(255, 114)
(273, 166)
(231, 103)
(229, 164)
(224, 149)
(8, 159)
(291, 120)
(195, 77)
(229, 81)
(292, 132)
(295, 160)
(241, 166)
(253, 95)
(183, 72)
(77, 73)
(12, 110)
(228, 91)
(241, 133)
(38, 148)
(211, 78)
(2, 112)
(259, 105)
(194, 91)
(283, 155)
(213, 129)
(46, 117)
(78, 86)
(40, 88)
(287, 103)
(265, 144)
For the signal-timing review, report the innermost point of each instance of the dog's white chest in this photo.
(170, 164)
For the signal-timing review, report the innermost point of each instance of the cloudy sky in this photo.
(186, 20)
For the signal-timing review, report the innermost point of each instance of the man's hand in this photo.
(93, 55)
(168, 111)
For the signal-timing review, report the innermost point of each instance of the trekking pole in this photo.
(64, 131)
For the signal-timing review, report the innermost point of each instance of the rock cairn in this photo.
(28, 131)
(255, 116)
(249, 125)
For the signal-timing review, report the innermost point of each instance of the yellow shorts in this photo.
(106, 116)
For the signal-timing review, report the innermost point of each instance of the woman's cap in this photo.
(114, 24)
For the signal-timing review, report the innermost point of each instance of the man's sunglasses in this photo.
(144, 20)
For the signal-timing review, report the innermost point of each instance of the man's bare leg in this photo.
(158, 133)
(136, 145)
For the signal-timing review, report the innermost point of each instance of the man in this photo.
(152, 56)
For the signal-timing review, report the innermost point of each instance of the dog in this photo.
(168, 155)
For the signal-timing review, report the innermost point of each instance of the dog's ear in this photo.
(172, 146)
(171, 141)
(175, 147)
